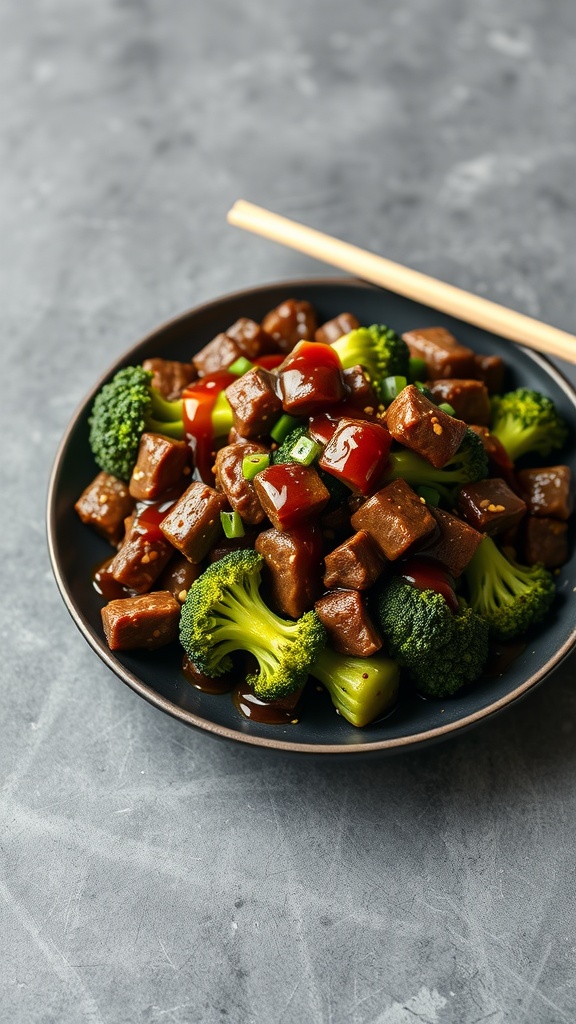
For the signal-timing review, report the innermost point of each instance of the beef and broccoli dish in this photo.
(331, 505)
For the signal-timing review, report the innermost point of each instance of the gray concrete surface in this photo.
(148, 873)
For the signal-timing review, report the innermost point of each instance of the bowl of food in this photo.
(317, 517)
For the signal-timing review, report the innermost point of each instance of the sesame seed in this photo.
(437, 428)
(182, 596)
(103, 498)
(156, 633)
(484, 503)
(145, 559)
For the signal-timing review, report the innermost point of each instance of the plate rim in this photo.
(97, 643)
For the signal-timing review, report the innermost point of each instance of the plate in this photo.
(157, 676)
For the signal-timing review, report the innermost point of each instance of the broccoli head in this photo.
(123, 409)
(443, 650)
(378, 349)
(510, 597)
(469, 463)
(527, 421)
(361, 689)
(224, 612)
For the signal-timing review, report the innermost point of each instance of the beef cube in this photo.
(293, 567)
(417, 423)
(141, 558)
(548, 491)
(490, 506)
(490, 370)
(468, 398)
(290, 494)
(149, 621)
(545, 541)
(456, 542)
(251, 339)
(342, 324)
(231, 481)
(178, 577)
(443, 355)
(254, 402)
(104, 504)
(350, 629)
(310, 380)
(357, 454)
(193, 524)
(395, 519)
(360, 392)
(356, 564)
(160, 463)
(219, 353)
(290, 322)
(169, 376)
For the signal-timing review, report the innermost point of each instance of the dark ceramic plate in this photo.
(157, 676)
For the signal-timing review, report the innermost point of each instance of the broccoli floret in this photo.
(378, 349)
(224, 612)
(337, 490)
(443, 650)
(510, 597)
(469, 463)
(527, 421)
(361, 689)
(123, 409)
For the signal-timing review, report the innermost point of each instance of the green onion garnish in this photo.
(416, 368)
(305, 450)
(253, 464)
(446, 407)
(240, 366)
(232, 525)
(283, 427)
(430, 495)
(392, 386)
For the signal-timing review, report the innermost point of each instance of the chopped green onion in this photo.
(240, 366)
(430, 495)
(305, 450)
(252, 464)
(416, 368)
(232, 525)
(446, 407)
(392, 386)
(283, 427)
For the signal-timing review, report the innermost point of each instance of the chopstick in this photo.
(412, 284)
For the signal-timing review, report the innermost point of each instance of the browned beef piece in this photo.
(548, 491)
(169, 376)
(490, 506)
(104, 504)
(254, 402)
(443, 355)
(360, 392)
(289, 323)
(455, 544)
(350, 629)
(219, 353)
(417, 423)
(251, 339)
(293, 568)
(160, 463)
(395, 519)
(545, 541)
(141, 558)
(290, 494)
(193, 524)
(240, 492)
(355, 564)
(334, 329)
(468, 398)
(178, 577)
(149, 621)
(490, 369)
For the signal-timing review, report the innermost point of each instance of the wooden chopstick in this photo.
(446, 298)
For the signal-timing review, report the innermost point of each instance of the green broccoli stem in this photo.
(242, 620)
(164, 417)
(361, 689)
(516, 440)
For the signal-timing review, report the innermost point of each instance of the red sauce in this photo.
(198, 402)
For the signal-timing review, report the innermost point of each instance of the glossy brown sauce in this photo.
(277, 712)
(206, 684)
(502, 655)
(105, 584)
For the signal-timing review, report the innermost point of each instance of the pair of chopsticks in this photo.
(446, 298)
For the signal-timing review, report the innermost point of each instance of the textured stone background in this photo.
(148, 873)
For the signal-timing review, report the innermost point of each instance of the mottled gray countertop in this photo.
(149, 873)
